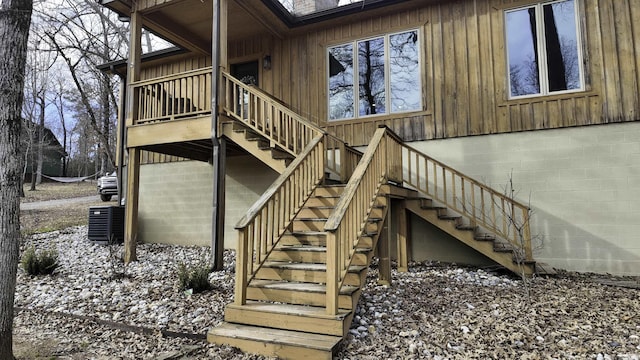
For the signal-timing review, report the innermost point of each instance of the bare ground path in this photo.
(38, 205)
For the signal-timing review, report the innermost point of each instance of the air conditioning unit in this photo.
(106, 223)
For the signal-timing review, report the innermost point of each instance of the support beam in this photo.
(133, 166)
(131, 208)
(218, 59)
(403, 246)
(384, 250)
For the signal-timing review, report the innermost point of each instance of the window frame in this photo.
(543, 67)
(387, 75)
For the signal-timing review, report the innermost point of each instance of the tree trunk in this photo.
(15, 19)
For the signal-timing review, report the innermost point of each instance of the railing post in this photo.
(332, 274)
(343, 162)
(526, 233)
(241, 268)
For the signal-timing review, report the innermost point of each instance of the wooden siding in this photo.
(177, 65)
(464, 71)
(148, 157)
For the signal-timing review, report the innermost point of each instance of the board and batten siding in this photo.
(464, 71)
(177, 65)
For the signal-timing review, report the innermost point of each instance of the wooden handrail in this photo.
(159, 79)
(272, 119)
(483, 205)
(276, 185)
(268, 219)
(388, 158)
(348, 220)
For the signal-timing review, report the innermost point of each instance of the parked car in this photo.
(108, 186)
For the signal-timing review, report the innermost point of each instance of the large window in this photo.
(543, 49)
(380, 75)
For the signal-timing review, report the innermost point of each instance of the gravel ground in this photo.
(94, 308)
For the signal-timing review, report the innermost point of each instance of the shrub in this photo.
(44, 262)
(196, 279)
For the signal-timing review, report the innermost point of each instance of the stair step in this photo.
(315, 254)
(502, 247)
(300, 293)
(305, 272)
(281, 155)
(315, 212)
(318, 224)
(311, 319)
(282, 344)
(485, 237)
(466, 227)
(318, 238)
(252, 135)
(329, 190)
(316, 201)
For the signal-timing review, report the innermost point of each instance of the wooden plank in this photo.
(131, 210)
(625, 46)
(301, 294)
(169, 132)
(309, 319)
(384, 254)
(461, 70)
(612, 79)
(276, 343)
(403, 238)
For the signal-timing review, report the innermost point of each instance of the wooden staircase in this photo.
(257, 145)
(304, 247)
(495, 248)
(288, 292)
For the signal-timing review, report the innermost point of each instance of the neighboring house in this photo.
(52, 151)
(543, 94)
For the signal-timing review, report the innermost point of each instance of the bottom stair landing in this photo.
(284, 344)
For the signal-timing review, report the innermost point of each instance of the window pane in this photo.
(371, 76)
(561, 41)
(341, 89)
(404, 72)
(522, 52)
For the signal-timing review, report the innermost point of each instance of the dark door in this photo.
(247, 72)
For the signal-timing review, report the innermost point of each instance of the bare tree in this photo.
(84, 35)
(15, 19)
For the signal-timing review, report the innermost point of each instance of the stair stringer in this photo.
(467, 235)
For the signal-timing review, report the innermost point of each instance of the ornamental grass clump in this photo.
(44, 262)
(194, 279)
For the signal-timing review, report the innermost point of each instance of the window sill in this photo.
(547, 98)
(379, 117)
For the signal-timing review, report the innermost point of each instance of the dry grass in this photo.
(62, 216)
(56, 218)
(54, 191)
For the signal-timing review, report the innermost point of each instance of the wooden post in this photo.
(402, 241)
(384, 253)
(332, 274)
(133, 165)
(241, 268)
(526, 233)
(218, 58)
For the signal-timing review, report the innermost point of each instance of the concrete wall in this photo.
(583, 184)
(175, 199)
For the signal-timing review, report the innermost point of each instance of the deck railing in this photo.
(171, 97)
(388, 158)
(269, 117)
(379, 163)
(268, 219)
